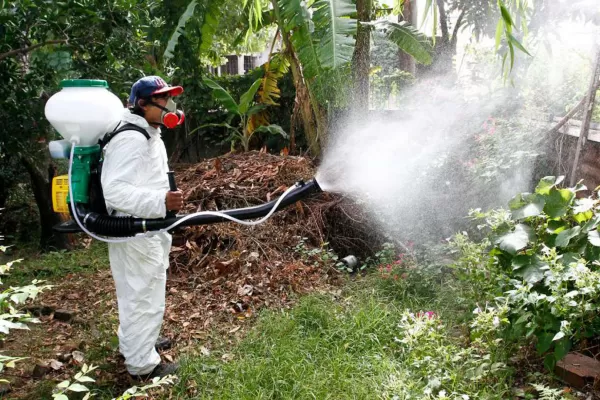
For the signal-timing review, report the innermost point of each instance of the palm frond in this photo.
(407, 38)
(212, 15)
(179, 29)
(335, 30)
(269, 92)
(297, 22)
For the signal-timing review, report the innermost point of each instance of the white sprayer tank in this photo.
(84, 110)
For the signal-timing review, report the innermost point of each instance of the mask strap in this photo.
(159, 106)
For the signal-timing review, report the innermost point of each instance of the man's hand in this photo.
(174, 200)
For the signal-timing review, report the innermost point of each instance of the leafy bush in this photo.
(435, 365)
(543, 264)
(10, 317)
(77, 386)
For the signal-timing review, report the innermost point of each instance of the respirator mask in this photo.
(171, 117)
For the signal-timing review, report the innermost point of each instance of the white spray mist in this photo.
(411, 171)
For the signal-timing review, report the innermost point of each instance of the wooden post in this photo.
(587, 117)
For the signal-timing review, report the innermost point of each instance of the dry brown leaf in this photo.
(56, 365)
(78, 356)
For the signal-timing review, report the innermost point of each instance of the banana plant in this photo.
(245, 108)
(318, 36)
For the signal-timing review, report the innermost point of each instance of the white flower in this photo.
(582, 268)
(496, 321)
(427, 391)
(465, 397)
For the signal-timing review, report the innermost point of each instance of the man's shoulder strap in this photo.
(127, 127)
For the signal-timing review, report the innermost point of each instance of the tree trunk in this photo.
(445, 53)
(361, 60)
(454, 39)
(303, 99)
(405, 61)
(443, 22)
(49, 240)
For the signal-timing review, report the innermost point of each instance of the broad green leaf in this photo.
(544, 342)
(594, 238)
(247, 98)
(210, 23)
(583, 217)
(222, 96)
(59, 396)
(521, 261)
(76, 387)
(550, 362)
(563, 238)
(583, 205)
(407, 38)
(523, 318)
(86, 379)
(558, 202)
(525, 205)
(533, 270)
(256, 109)
(561, 348)
(591, 224)
(555, 226)
(179, 29)
(295, 20)
(63, 384)
(548, 183)
(272, 129)
(516, 240)
(336, 31)
(568, 258)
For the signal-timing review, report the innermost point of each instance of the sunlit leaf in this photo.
(564, 237)
(516, 240)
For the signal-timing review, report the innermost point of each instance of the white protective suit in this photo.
(134, 182)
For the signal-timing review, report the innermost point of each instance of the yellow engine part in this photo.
(60, 191)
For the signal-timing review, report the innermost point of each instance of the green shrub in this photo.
(541, 260)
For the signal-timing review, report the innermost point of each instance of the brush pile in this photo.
(238, 269)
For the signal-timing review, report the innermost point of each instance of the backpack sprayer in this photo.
(83, 112)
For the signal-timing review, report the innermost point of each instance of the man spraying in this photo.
(135, 183)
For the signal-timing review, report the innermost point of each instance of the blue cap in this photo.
(151, 85)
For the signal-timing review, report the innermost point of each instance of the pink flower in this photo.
(428, 314)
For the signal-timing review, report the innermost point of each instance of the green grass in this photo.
(330, 347)
(55, 265)
(319, 349)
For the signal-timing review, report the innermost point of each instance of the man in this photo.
(135, 182)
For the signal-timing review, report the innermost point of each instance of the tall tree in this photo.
(408, 15)
(361, 58)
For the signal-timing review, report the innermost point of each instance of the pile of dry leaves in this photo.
(232, 270)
